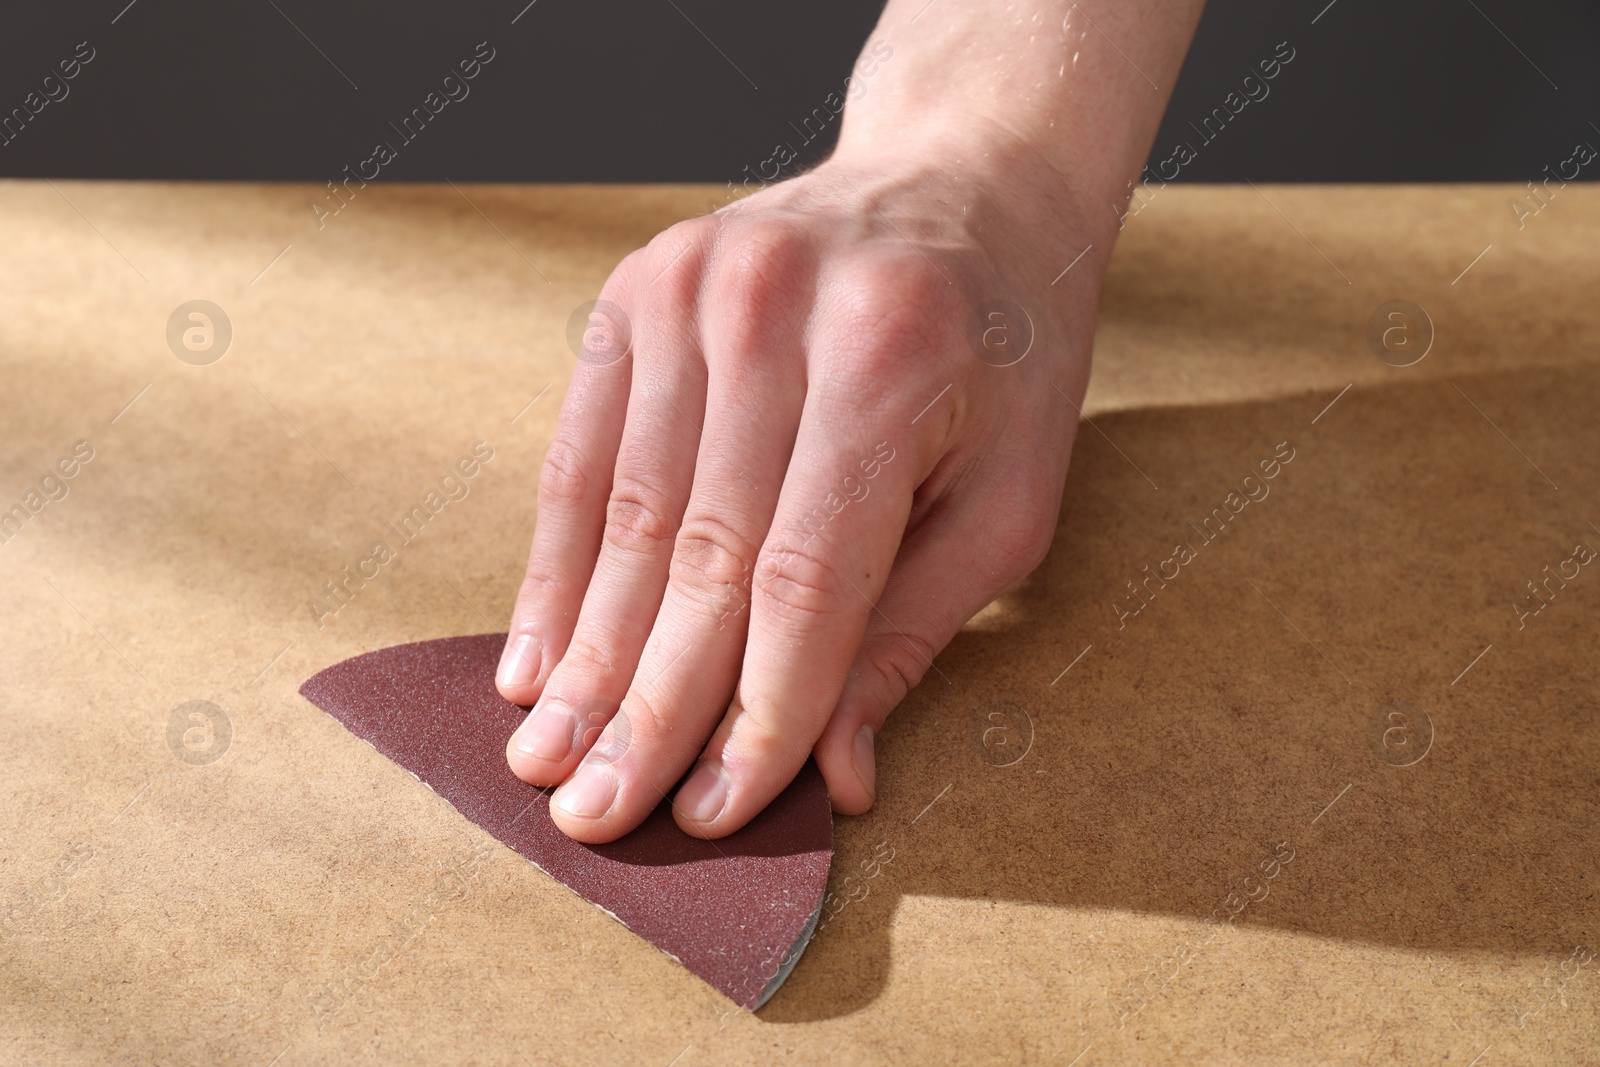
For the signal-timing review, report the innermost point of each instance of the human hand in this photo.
(832, 421)
(826, 448)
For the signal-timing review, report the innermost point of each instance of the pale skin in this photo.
(758, 527)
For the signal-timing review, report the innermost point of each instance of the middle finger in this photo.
(754, 347)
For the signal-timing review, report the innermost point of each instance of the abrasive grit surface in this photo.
(737, 911)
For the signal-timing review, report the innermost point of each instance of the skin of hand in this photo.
(821, 428)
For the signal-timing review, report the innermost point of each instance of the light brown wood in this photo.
(303, 899)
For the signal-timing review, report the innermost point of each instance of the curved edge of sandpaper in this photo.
(738, 912)
(791, 958)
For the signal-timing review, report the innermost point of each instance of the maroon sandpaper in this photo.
(737, 911)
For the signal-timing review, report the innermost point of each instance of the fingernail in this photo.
(519, 663)
(589, 793)
(702, 797)
(864, 759)
(547, 733)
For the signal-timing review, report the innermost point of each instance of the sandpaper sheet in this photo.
(736, 911)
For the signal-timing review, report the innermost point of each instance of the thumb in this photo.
(947, 571)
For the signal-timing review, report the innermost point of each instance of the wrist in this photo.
(992, 178)
(1054, 109)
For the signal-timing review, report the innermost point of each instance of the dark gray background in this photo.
(696, 90)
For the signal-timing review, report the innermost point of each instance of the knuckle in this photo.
(645, 720)
(637, 517)
(623, 274)
(1020, 535)
(759, 738)
(537, 580)
(562, 478)
(586, 659)
(756, 303)
(698, 230)
(799, 587)
(1021, 551)
(678, 251)
(758, 268)
(624, 279)
(897, 283)
(899, 662)
(711, 561)
(893, 315)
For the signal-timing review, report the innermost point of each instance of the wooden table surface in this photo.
(1360, 725)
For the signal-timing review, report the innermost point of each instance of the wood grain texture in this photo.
(1214, 849)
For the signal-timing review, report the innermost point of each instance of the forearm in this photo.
(1047, 92)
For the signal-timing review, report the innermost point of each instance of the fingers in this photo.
(647, 494)
(754, 317)
(947, 571)
(858, 459)
(573, 484)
